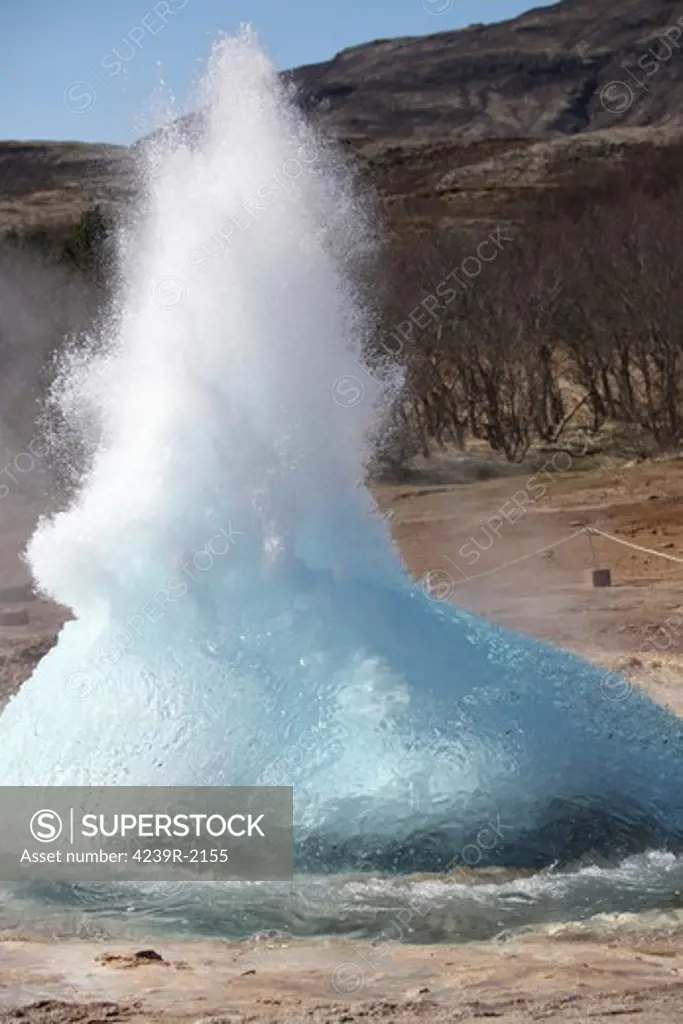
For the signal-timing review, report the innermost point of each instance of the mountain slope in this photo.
(444, 124)
(547, 71)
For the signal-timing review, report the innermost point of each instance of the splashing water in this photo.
(241, 616)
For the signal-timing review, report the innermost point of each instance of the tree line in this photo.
(575, 322)
(516, 333)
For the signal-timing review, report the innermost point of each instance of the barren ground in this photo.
(635, 625)
(630, 969)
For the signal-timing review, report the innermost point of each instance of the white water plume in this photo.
(241, 615)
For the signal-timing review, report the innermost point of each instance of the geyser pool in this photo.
(241, 615)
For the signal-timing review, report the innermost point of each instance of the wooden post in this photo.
(600, 577)
(596, 576)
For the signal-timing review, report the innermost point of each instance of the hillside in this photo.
(454, 125)
(546, 72)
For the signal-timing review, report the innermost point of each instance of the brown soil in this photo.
(336, 981)
(635, 625)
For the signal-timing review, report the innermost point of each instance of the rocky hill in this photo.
(50, 184)
(455, 125)
(571, 67)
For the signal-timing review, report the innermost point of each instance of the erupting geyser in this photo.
(240, 613)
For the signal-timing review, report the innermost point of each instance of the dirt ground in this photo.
(460, 539)
(635, 979)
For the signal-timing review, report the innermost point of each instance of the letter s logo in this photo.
(46, 826)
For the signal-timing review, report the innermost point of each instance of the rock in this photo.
(125, 961)
(271, 935)
(148, 954)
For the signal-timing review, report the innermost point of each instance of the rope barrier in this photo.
(636, 547)
(516, 561)
(551, 547)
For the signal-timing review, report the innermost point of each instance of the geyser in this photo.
(240, 613)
